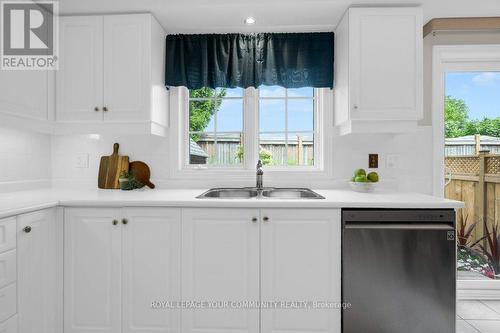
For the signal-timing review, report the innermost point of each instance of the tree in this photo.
(486, 126)
(457, 122)
(201, 111)
(455, 116)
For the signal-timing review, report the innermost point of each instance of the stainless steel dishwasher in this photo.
(398, 271)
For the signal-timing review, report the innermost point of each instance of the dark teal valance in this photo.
(290, 60)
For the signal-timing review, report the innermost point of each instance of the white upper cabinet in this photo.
(79, 80)
(126, 88)
(111, 77)
(378, 70)
(24, 99)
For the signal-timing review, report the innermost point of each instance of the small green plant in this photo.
(124, 175)
(471, 260)
(264, 155)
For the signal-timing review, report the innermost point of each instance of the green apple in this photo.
(360, 179)
(359, 172)
(373, 177)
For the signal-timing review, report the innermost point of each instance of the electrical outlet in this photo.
(82, 161)
(373, 161)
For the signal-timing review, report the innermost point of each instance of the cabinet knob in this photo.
(27, 229)
(355, 107)
(124, 221)
(105, 109)
(266, 219)
(254, 219)
(115, 222)
(96, 109)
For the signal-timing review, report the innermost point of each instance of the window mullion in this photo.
(250, 113)
(286, 126)
(216, 151)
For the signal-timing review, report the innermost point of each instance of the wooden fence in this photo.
(225, 152)
(476, 181)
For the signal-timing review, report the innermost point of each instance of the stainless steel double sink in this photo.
(265, 193)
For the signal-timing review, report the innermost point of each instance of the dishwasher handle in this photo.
(399, 226)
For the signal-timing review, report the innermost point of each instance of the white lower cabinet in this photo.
(151, 270)
(117, 262)
(220, 262)
(39, 272)
(92, 270)
(300, 262)
(123, 270)
(270, 256)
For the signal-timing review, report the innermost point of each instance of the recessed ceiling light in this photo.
(250, 20)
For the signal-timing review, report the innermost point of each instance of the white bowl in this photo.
(363, 187)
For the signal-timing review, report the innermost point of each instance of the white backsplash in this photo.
(24, 160)
(412, 154)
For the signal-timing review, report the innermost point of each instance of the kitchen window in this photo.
(233, 128)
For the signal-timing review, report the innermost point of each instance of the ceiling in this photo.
(195, 16)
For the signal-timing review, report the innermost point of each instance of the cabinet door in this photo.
(39, 250)
(92, 271)
(300, 258)
(79, 78)
(151, 269)
(220, 262)
(126, 67)
(24, 93)
(386, 63)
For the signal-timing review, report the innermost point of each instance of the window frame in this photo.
(180, 169)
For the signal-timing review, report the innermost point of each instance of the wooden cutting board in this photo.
(110, 169)
(141, 172)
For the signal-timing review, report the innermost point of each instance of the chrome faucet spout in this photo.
(260, 175)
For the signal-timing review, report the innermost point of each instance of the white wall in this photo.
(24, 160)
(413, 171)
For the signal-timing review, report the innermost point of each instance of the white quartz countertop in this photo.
(14, 203)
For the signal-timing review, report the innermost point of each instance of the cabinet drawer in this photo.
(8, 302)
(9, 326)
(8, 268)
(7, 234)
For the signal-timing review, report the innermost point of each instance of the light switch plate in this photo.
(82, 161)
(393, 161)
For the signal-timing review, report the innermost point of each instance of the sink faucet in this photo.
(260, 174)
